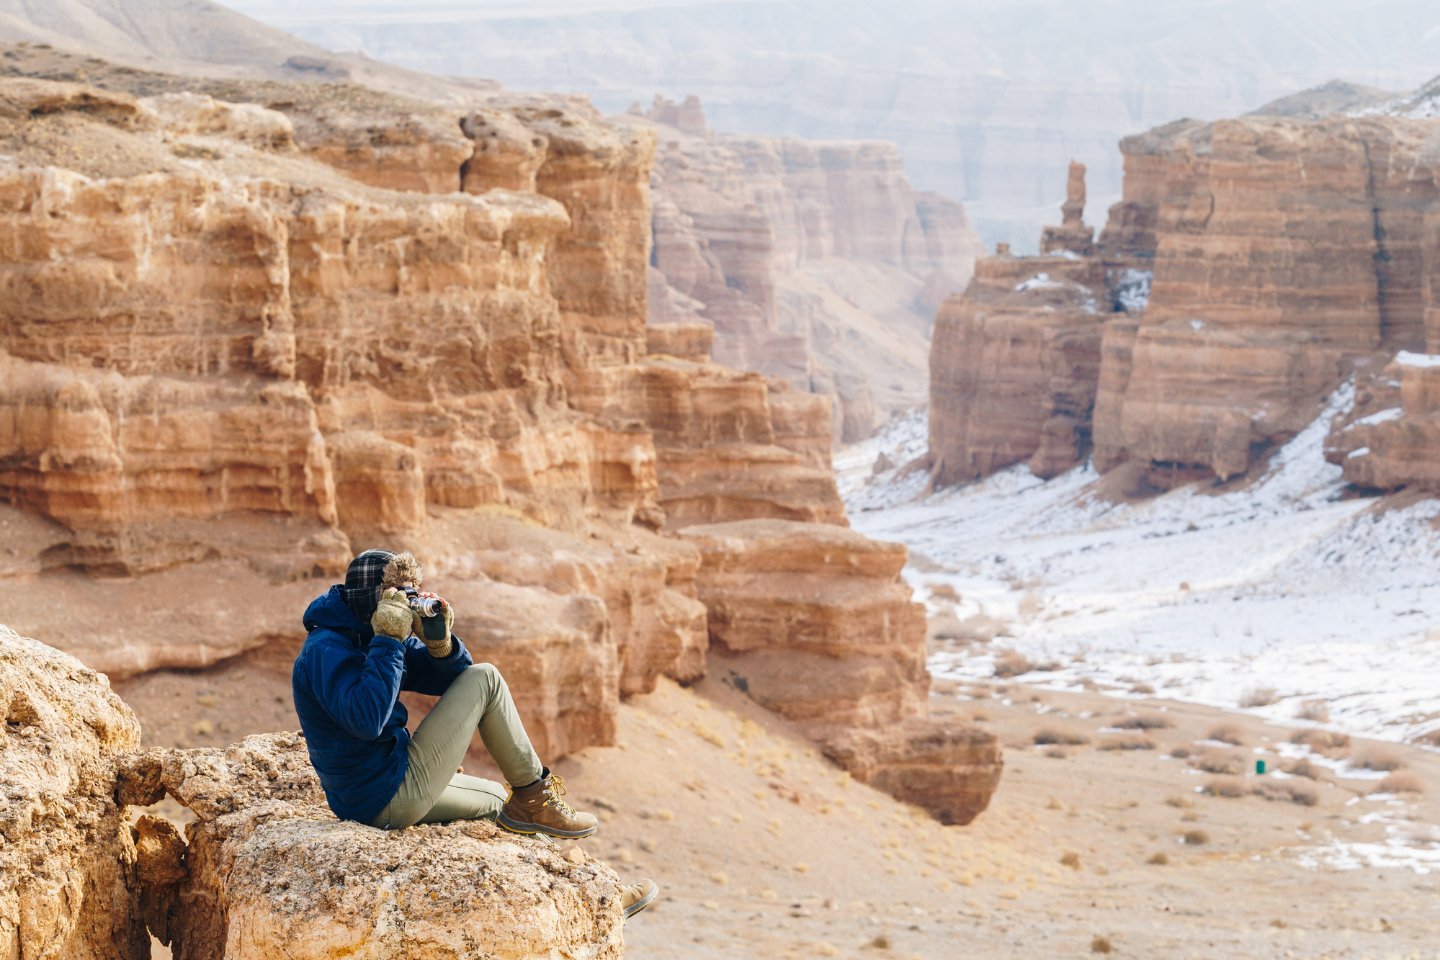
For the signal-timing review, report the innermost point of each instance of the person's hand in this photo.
(392, 618)
(438, 647)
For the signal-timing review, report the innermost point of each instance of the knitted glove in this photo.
(439, 647)
(392, 617)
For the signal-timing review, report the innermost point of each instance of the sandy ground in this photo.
(764, 849)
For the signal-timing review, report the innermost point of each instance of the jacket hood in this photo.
(330, 611)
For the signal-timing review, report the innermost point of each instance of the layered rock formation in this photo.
(814, 623)
(247, 341)
(814, 262)
(1251, 266)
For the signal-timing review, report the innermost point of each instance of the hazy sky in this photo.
(988, 100)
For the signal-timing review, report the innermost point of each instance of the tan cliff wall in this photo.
(814, 262)
(1279, 254)
(230, 365)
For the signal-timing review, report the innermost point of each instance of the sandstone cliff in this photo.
(1252, 266)
(248, 337)
(815, 623)
(814, 262)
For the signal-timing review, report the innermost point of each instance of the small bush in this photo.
(1301, 793)
(1375, 757)
(1402, 782)
(1047, 736)
(1180, 802)
(1321, 741)
(1229, 787)
(1181, 750)
(1316, 711)
(1226, 733)
(1070, 859)
(1304, 768)
(1195, 838)
(1101, 945)
(1056, 753)
(1229, 763)
(1133, 742)
(1143, 689)
(1145, 721)
(1258, 697)
(1012, 663)
(1158, 859)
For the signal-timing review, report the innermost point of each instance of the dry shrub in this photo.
(1316, 711)
(1046, 736)
(1226, 733)
(881, 942)
(1229, 787)
(1195, 838)
(1431, 739)
(1181, 750)
(1301, 793)
(1158, 859)
(1133, 742)
(1144, 689)
(1145, 721)
(1230, 763)
(1178, 801)
(1070, 859)
(979, 629)
(1056, 753)
(1101, 945)
(1375, 757)
(1304, 768)
(1258, 697)
(1321, 741)
(944, 591)
(1012, 663)
(1402, 782)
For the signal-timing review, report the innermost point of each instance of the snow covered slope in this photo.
(1282, 586)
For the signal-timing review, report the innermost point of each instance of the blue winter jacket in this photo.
(347, 683)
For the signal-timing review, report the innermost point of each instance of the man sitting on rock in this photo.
(359, 654)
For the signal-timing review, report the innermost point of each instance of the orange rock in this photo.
(813, 622)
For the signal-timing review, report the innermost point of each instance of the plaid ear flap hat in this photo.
(362, 582)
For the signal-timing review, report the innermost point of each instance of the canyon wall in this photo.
(1253, 266)
(814, 262)
(249, 337)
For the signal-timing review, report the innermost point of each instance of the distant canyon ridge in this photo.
(1253, 267)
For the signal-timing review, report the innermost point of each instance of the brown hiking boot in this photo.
(637, 897)
(539, 808)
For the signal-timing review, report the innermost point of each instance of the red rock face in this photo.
(814, 262)
(1281, 251)
(814, 623)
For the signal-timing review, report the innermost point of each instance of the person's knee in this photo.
(484, 675)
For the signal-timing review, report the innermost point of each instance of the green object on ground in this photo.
(1260, 767)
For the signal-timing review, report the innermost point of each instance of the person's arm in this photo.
(432, 675)
(359, 692)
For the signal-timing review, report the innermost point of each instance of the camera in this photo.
(425, 606)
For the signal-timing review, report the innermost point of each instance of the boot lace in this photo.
(556, 794)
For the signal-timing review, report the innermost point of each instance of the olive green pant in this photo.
(432, 791)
